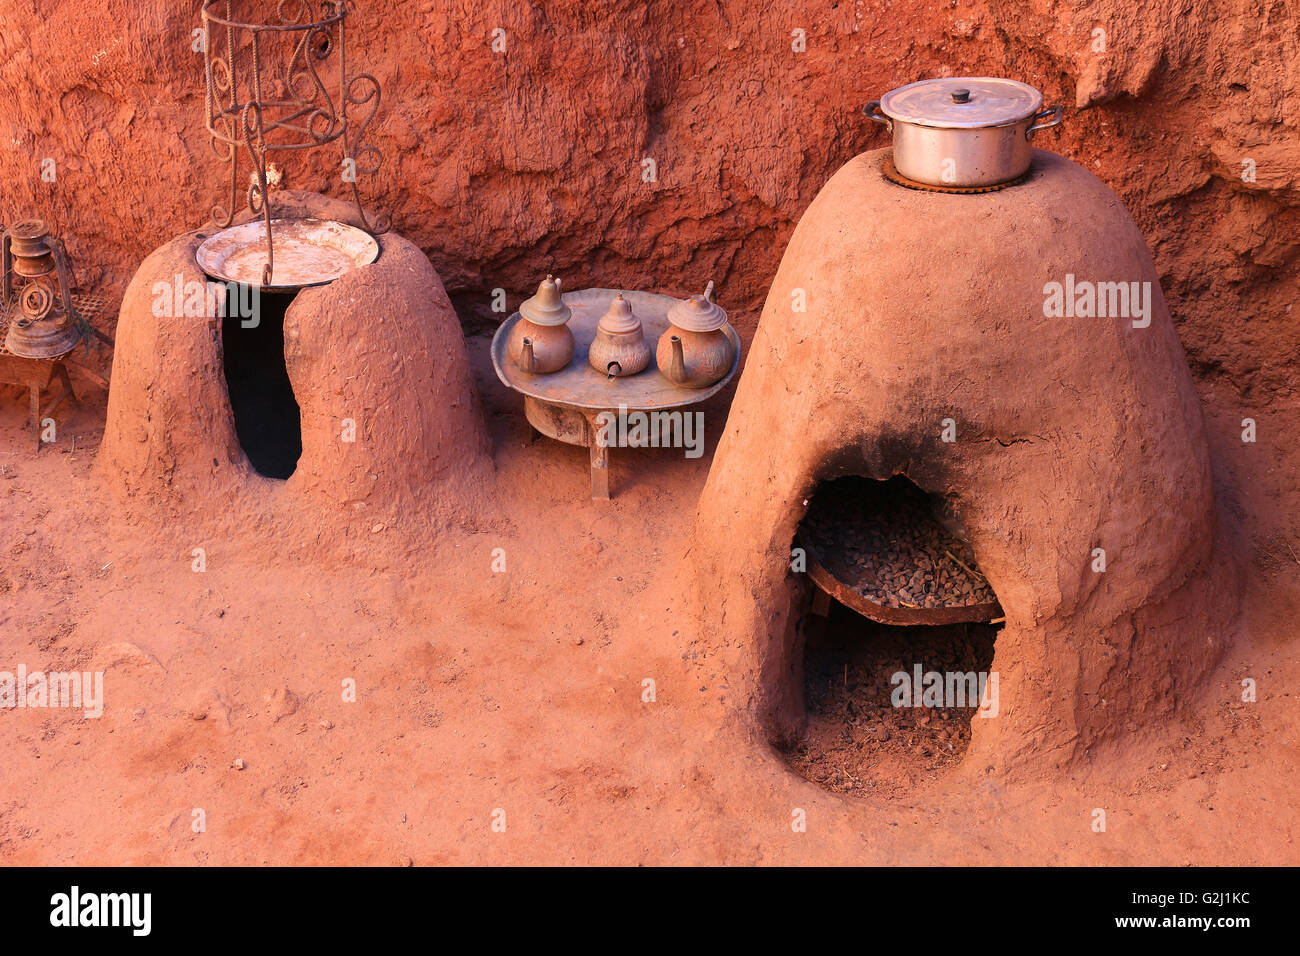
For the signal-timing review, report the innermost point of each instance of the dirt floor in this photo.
(857, 740)
(518, 696)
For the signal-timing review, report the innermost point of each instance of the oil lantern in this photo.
(37, 292)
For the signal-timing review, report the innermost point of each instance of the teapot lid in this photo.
(699, 313)
(547, 306)
(619, 317)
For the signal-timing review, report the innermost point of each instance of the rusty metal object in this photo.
(541, 349)
(541, 342)
(31, 256)
(902, 616)
(36, 294)
(38, 375)
(893, 554)
(696, 350)
(695, 359)
(547, 307)
(965, 131)
(312, 252)
(619, 348)
(267, 92)
(888, 170)
(566, 404)
(573, 427)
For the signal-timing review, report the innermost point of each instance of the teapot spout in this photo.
(677, 364)
(527, 360)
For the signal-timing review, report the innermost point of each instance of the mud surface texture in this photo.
(433, 629)
(504, 166)
(391, 430)
(1047, 437)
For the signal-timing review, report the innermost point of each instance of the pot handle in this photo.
(872, 112)
(1045, 119)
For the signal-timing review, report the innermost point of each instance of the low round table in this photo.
(564, 405)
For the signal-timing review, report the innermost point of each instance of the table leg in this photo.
(36, 414)
(599, 471)
(62, 371)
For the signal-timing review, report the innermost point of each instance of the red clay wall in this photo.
(504, 166)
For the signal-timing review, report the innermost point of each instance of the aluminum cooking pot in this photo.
(963, 131)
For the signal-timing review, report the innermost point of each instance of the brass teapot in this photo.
(696, 351)
(540, 342)
(619, 348)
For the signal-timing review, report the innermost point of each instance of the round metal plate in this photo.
(902, 616)
(307, 252)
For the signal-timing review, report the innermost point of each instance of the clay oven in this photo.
(325, 391)
(917, 333)
(390, 428)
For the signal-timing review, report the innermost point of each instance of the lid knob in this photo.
(547, 307)
(961, 96)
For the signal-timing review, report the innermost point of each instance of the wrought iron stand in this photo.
(268, 90)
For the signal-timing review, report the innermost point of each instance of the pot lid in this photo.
(699, 313)
(547, 307)
(962, 102)
(619, 317)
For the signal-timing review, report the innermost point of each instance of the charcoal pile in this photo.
(881, 539)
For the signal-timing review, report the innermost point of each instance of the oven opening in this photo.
(266, 413)
(895, 637)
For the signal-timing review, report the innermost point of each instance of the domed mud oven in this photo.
(948, 338)
(351, 398)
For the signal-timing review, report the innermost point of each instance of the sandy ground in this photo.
(517, 696)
